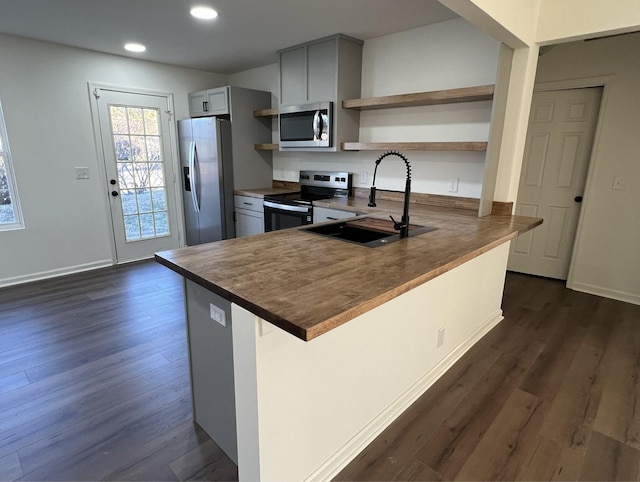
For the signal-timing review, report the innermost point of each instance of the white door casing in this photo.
(558, 148)
(134, 135)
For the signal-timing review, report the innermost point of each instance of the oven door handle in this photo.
(286, 207)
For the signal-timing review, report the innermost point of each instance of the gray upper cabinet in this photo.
(293, 74)
(327, 69)
(209, 102)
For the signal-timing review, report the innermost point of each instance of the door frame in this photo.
(580, 83)
(102, 162)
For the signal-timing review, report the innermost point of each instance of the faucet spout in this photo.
(403, 225)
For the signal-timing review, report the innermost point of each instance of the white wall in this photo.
(45, 97)
(513, 22)
(578, 19)
(606, 260)
(441, 56)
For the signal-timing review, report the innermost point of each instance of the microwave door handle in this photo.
(317, 125)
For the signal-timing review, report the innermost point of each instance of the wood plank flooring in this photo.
(552, 393)
(94, 385)
(94, 381)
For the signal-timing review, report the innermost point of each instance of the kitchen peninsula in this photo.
(330, 341)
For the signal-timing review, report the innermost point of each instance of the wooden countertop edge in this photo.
(244, 303)
(308, 334)
(346, 316)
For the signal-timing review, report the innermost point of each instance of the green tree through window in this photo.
(10, 215)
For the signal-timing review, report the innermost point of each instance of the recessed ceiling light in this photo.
(204, 13)
(134, 47)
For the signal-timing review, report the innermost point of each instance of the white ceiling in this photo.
(246, 34)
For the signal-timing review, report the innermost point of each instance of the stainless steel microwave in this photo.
(306, 126)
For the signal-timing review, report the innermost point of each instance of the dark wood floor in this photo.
(552, 393)
(94, 381)
(94, 385)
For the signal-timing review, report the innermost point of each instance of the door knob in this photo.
(578, 199)
(114, 193)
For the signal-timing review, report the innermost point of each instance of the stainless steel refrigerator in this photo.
(206, 160)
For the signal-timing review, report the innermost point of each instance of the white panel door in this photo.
(554, 170)
(140, 172)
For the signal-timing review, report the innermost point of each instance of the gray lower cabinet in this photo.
(321, 214)
(249, 216)
(211, 366)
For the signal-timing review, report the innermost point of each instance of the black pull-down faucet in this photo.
(403, 225)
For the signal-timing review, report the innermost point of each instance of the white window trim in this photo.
(11, 178)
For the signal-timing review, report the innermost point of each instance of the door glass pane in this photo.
(6, 209)
(140, 165)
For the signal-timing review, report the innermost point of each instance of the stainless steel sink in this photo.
(356, 232)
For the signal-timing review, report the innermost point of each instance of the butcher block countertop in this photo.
(308, 284)
(262, 192)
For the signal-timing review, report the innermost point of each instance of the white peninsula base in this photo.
(305, 409)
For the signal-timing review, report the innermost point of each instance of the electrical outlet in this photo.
(440, 338)
(363, 177)
(82, 173)
(217, 314)
(453, 184)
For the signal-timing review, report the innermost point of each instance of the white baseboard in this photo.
(54, 273)
(359, 442)
(627, 297)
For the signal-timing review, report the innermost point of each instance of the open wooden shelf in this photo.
(266, 147)
(414, 146)
(265, 113)
(450, 96)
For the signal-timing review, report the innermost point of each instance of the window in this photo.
(10, 214)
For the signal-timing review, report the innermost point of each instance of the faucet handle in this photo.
(397, 225)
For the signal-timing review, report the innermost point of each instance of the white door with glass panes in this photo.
(140, 172)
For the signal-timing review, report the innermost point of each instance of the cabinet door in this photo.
(209, 102)
(325, 214)
(249, 223)
(197, 104)
(293, 76)
(321, 71)
(217, 101)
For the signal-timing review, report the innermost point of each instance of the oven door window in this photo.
(275, 219)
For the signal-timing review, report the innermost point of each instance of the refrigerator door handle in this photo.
(194, 176)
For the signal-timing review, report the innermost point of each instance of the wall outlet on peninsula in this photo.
(217, 314)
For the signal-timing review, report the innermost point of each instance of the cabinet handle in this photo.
(205, 106)
(332, 219)
(248, 204)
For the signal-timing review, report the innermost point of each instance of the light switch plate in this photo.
(82, 173)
